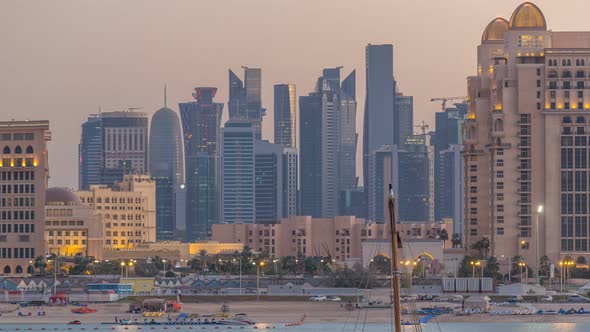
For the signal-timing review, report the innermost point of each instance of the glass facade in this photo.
(90, 157)
(166, 168)
(201, 122)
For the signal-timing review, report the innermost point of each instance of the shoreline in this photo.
(284, 312)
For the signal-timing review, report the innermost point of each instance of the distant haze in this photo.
(61, 60)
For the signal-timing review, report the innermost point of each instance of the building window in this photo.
(473, 232)
(500, 231)
(499, 208)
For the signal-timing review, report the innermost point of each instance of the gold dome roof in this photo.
(528, 16)
(495, 30)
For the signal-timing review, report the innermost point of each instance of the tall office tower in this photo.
(245, 98)
(383, 170)
(379, 124)
(410, 170)
(527, 140)
(447, 142)
(268, 183)
(328, 144)
(125, 145)
(90, 153)
(238, 172)
(290, 177)
(201, 122)
(348, 135)
(310, 138)
(403, 117)
(285, 115)
(416, 180)
(166, 168)
(24, 171)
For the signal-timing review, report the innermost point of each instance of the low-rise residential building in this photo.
(128, 210)
(70, 227)
(339, 237)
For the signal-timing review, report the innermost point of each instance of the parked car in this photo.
(409, 298)
(516, 298)
(547, 298)
(333, 298)
(319, 298)
(577, 299)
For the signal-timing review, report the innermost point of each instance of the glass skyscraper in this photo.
(201, 122)
(379, 124)
(90, 159)
(328, 143)
(166, 168)
(285, 129)
(245, 98)
(238, 172)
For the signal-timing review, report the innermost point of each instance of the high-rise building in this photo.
(245, 98)
(447, 142)
(410, 171)
(403, 118)
(166, 168)
(128, 210)
(347, 135)
(285, 115)
(268, 182)
(383, 171)
(238, 172)
(90, 152)
(125, 145)
(290, 177)
(328, 143)
(201, 122)
(24, 170)
(527, 140)
(379, 124)
(415, 194)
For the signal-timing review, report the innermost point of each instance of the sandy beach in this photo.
(285, 311)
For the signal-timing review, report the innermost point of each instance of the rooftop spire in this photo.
(165, 105)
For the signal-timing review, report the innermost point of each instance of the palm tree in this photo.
(456, 240)
(492, 268)
(203, 258)
(443, 236)
(482, 246)
(40, 264)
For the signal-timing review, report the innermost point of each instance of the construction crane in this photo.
(445, 99)
(423, 127)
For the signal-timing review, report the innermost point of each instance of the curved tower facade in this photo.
(166, 168)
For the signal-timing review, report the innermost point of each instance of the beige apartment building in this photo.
(23, 179)
(527, 139)
(128, 210)
(70, 228)
(339, 237)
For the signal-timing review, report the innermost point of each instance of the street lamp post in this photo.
(473, 265)
(258, 266)
(539, 211)
(522, 272)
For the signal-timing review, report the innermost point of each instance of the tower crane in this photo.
(444, 100)
(423, 127)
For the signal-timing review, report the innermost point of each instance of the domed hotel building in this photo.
(526, 158)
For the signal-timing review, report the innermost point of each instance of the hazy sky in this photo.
(61, 60)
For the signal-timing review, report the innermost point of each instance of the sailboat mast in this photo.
(396, 275)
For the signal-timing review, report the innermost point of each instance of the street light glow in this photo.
(540, 209)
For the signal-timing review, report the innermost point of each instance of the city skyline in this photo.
(126, 63)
